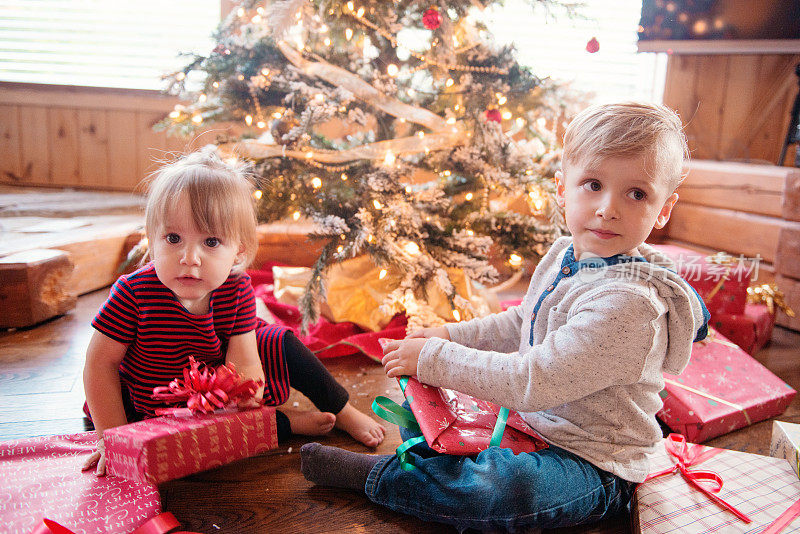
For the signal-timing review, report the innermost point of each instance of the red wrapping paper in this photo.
(456, 423)
(41, 478)
(723, 288)
(325, 339)
(751, 330)
(722, 389)
(165, 448)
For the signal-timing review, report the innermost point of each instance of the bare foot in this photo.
(310, 423)
(361, 426)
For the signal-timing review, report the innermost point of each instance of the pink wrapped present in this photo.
(721, 280)
(722, 389)
(750, 330)
(694, 489)
(173, 446)
(455, 423)
(41, 478)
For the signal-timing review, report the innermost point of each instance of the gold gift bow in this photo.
(770, 295)
(720, 258)
(710, 396)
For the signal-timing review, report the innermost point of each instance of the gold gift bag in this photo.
(356, 291)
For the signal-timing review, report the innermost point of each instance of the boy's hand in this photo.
(433, 331)
(98, 457)
(401, 356)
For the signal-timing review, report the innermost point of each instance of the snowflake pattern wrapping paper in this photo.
(761, 487)
(42, 478)
(456, 423)
(165, 448)
(722, 389)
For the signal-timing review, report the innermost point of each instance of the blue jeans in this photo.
(498, 489)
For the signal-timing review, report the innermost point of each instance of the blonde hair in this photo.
(220, 196)
(629, 129)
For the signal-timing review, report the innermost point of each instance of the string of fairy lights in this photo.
(537, 197)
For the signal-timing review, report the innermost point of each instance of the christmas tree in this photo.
(437, 131)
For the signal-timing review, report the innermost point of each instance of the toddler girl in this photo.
(193, 299)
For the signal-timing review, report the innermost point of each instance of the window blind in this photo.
(111, 43)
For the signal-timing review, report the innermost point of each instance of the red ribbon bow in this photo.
(685, 456)
(205, 390)
(160, 524)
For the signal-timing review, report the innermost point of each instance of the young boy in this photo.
(581, 358)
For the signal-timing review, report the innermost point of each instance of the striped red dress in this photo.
(161, 334)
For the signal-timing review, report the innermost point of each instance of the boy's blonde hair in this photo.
(629, 129)
(220, 197)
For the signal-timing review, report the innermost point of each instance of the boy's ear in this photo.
(560, 199)
(666, 211)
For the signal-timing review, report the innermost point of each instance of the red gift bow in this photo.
(685, 456)
(204, 390)
(160, 524)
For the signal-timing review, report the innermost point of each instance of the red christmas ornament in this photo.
(593, 45)
(493, 115)
(432, 19)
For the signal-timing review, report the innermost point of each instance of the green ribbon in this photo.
(389, 410)
(499, 427)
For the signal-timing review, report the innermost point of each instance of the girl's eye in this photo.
(173, 238)
(212, 242)
(637, 194)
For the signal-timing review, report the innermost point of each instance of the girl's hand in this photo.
(252, 402)
(433, 331)
(98, 458)
(401, 356)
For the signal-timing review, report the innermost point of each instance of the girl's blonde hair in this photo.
(629, 129)
(220, 197)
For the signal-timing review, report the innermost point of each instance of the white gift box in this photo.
(764, 489)
(786, 443)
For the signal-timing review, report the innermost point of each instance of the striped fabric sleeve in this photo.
(245, 318)
(118, 317)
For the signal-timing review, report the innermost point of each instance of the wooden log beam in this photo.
(745, 187)
(791, 292)
(35, 287)
(732, 231)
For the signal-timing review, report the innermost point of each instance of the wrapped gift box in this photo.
(722, 389)
(173, 446)
(721, 282)
(41, 478)
(786, 443)
(455, 423)
(760, 487)
(750, 330)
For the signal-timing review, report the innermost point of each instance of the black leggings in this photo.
(309, 376)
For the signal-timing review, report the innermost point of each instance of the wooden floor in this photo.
(41, 393)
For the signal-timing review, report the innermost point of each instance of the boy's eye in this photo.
(592, 185)
(212, 242)
(173, 238)
(637, 194)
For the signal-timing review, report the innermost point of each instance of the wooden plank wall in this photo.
(736, 107)
(84, 137)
